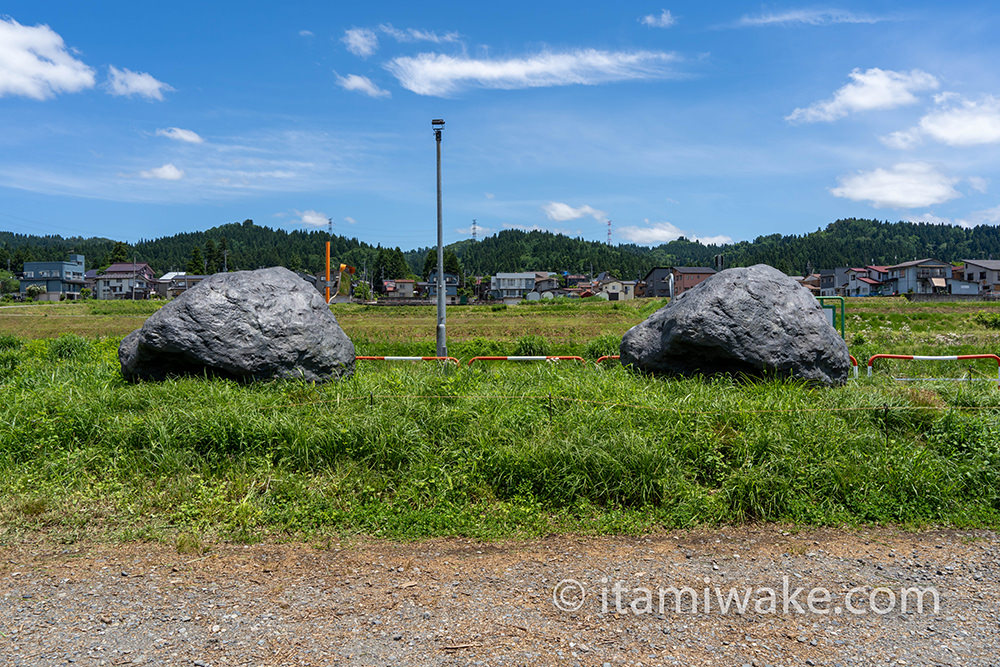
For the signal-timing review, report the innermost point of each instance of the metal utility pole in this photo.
(133, 277)
(442, 341)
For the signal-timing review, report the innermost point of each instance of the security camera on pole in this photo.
(442, 342)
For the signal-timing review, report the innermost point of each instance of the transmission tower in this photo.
(473, 230)
(609, 232)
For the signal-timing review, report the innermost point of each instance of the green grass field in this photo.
(492, 451)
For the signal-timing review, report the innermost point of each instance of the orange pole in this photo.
(328, 272)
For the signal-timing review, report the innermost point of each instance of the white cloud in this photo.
(438, 74)
(415, 35)
(905, 185)
(360, 41)
(349, 220)
(989, 216)
(807, 17)
(167, 172)
(978, 183)
(489, 195)
(306, 33)
(561, 212)
(125, 82)
(663, 232)
(35, 63)
(179, 134)
(311, 218)
(869, 90)
(902, 139)
(966, 124)
(663, 20)
(361, 84)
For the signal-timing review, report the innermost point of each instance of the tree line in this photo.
(247, 245)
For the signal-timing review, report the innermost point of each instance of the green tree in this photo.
(213, 258)
(196, 264)
(119, 253)
(451, 263)
(34, 291)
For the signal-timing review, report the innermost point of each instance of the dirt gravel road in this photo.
(560, 600)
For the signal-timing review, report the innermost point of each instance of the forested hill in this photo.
(247, 245)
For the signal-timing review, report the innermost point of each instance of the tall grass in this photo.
(416, 450)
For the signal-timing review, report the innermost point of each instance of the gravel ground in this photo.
(366, 602)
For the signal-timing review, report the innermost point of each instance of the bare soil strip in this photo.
(366, 602)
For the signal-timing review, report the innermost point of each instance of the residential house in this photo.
(405, 288)
(860, 283)
(833, 282)
(686, 277)
(162, 284)
(61, 280)
(512, 287)
(617, 290)
(450, 286)
(921, 276)
(182, 282)
(811, 283)
(545, 282)
(879, 273)
(400, 289)
(986, 272)
(576, 279)
(657, 282)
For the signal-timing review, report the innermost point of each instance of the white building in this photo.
(512, 287)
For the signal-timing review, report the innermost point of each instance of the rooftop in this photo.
(988, 264)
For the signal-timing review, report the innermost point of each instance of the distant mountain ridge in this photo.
(848, 242)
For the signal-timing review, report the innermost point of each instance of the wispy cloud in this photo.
(561, 212)
(126, 83)
(654, 233)
(361, 84)
(180, 134)
(441, 75)
(260, 162)
(415, 35)
(481, 230)
(902, 139)
(360, 41)
(904, 185)
(808, 17)
(662, 20)
(306, 33)
(35, 63)
(167, 172)
(869, 90)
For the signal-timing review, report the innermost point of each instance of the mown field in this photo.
(488, 451)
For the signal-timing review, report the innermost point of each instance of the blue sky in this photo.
(712, 120)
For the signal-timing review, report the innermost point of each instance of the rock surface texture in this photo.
(747, 321)
(246, 325)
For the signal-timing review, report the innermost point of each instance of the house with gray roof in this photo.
(986, 272)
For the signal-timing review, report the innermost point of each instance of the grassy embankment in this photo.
(414, 451)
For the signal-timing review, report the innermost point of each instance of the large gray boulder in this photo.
(748, 321)
(246, 325)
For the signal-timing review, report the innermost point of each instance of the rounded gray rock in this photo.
(752, 321)
(245, 325)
